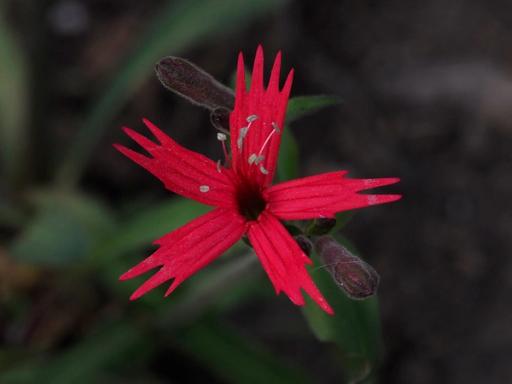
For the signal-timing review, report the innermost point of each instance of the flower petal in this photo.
(182, 171)
(284, 261)
(257, 120)
(188, 249)
(324, 195)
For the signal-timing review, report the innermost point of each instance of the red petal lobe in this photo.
(182, 171)
(188, 249)
(257, 121)
(283, 261)
(324, 195)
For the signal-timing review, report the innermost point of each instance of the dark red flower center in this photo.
(250, 200)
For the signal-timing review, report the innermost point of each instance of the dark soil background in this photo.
(427, 97)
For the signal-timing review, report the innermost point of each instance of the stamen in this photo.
(255, 159)
(218, 166)
(276, 127)
(244, 130)
(267, 140)
(263, 170)
(222, 137)
(252, 158)
(204, 188)
(251, 118)
(241, 135)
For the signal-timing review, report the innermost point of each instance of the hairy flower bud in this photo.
(356, 277)
(193, 83)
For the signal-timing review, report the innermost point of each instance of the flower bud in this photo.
(356, 277)
(304, 243)
(193, 83)
(219, 118)
(321, 226)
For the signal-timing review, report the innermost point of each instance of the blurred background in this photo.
(426, 95)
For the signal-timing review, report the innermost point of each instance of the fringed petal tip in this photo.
(316, 299)
(134, 296)
(173, 286)
(149, 286)
(188, 249)
(141, 291)
(380, 182)
(288, 84)
(118, 147)
(324, 305)
(380, 199)
(257, 71)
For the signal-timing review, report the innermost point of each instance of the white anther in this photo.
(251, 118)
(276, 127)
(204, 188)
(255, 159)
(241, 136)
(221, 136)
(242, 133)
(263, 170)
(252, 158)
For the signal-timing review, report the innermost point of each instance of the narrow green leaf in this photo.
(13, 104)
(179, 25)
(304, 105)
(355, 327)
(63, 230)
(288, 162)
(215, 345)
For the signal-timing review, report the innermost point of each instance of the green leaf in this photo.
(288, 162)
(64, 229)
(355, 327)
(148, 225)
(215, 345)
(177, 26)
(13, 104)
(304, 105)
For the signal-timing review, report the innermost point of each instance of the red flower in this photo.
(245, 201)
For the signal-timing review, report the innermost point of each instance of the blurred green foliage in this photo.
(65, 229)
